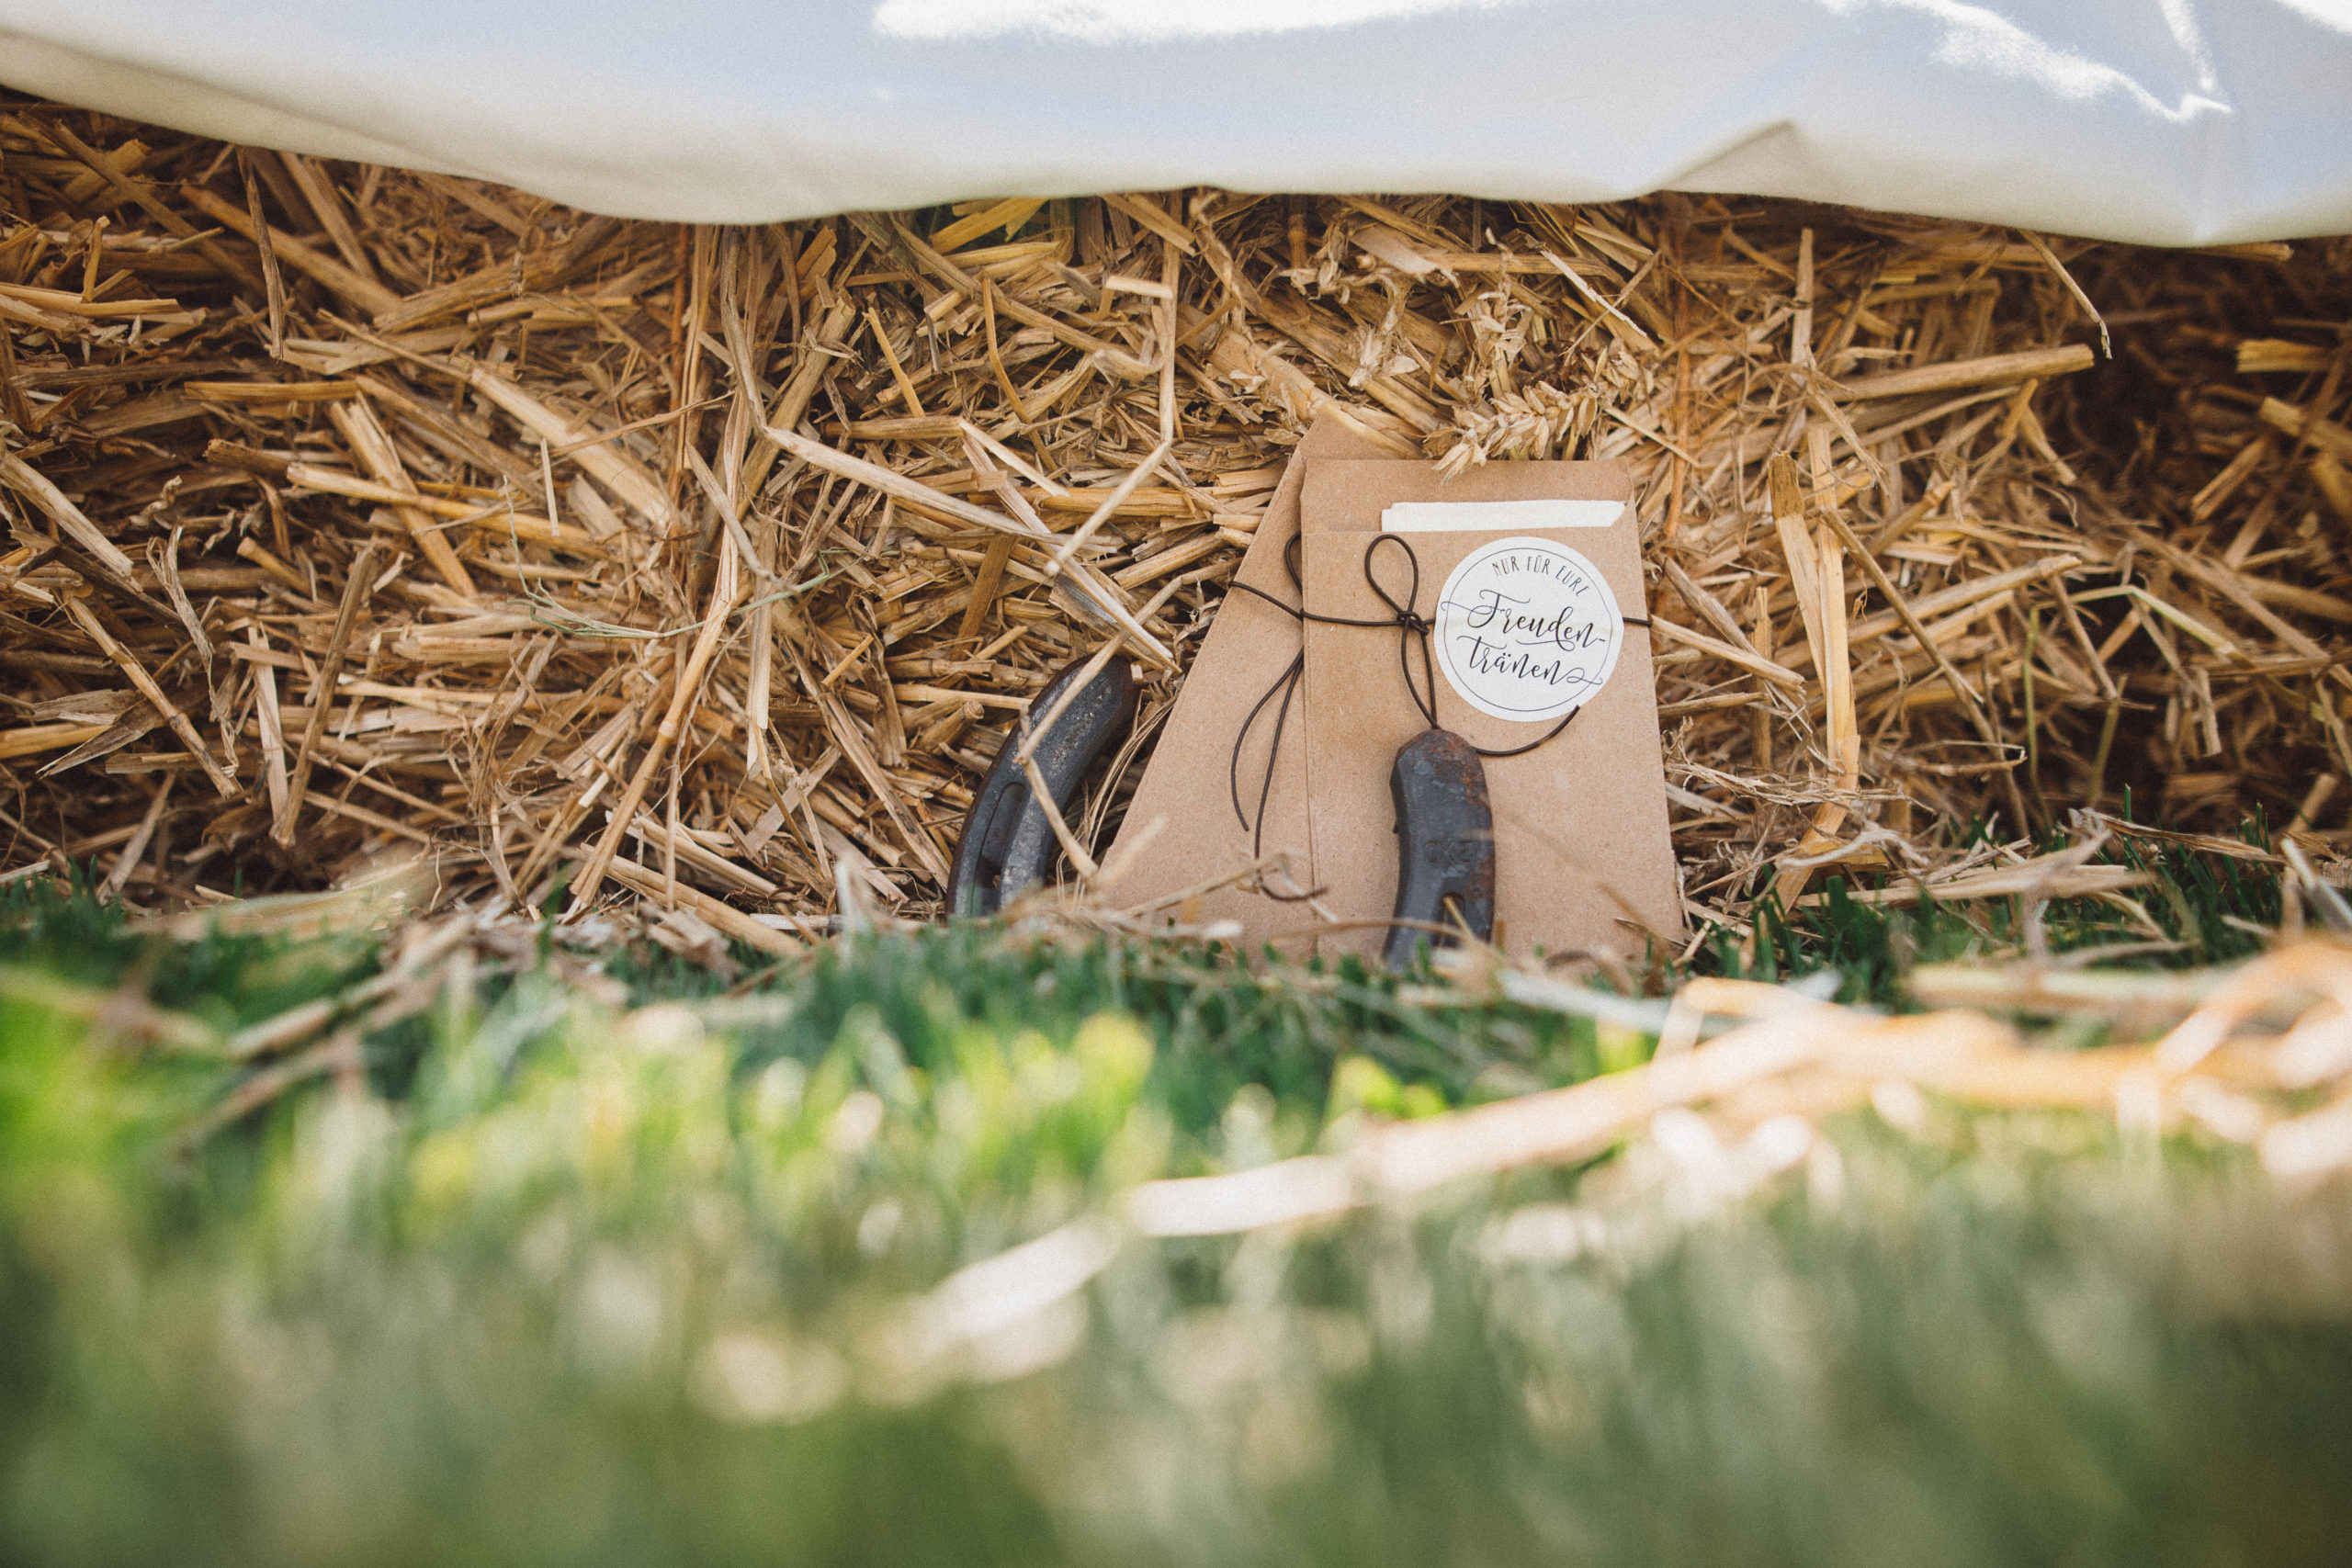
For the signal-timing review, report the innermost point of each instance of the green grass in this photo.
(2205, 907)
(549, 1280)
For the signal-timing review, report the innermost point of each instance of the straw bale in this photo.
(708, 566)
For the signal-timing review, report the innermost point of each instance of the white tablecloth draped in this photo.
(2161, 121)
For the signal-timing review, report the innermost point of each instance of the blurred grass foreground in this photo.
(535, 1259)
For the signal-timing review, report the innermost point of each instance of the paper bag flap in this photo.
(1186, 800)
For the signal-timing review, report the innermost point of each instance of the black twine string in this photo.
(1411, 626)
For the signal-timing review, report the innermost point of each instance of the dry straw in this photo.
(710, 566)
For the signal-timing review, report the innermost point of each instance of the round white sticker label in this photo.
(1527, 629)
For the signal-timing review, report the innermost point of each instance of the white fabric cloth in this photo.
(2160, 121)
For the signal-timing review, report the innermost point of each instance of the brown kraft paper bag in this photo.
(1584, 861)
(1187, 787)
